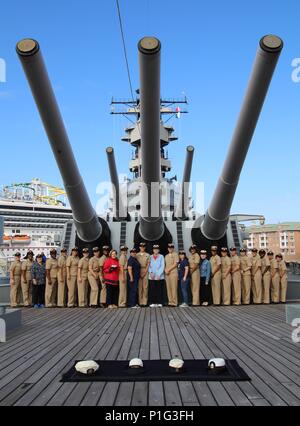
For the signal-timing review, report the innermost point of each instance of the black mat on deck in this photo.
(157, 370)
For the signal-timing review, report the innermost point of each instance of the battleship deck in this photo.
(33, 359)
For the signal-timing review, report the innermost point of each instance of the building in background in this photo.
(281, 238)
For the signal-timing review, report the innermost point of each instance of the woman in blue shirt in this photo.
(156, 278)
(205, 274)
(184, 277)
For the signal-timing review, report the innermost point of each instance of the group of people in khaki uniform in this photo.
(236, 278)
(70, 281)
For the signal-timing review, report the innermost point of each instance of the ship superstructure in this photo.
(130, 187)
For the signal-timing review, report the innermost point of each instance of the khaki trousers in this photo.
(122, 293)
(72, 287)
(216, 288)
(27, 291)
(103, 293)
(257, 287)
(283, 288)
(51, 292)
(195, 287)
(236, 288)
(172, 288)
(246, 289)
(143, 289)
(15, 291)
(266, 281)
(82, 287)
(61, 292)
(275, 286)
(226, 290)
(94, 284)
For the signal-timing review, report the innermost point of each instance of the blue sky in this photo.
(208, 48)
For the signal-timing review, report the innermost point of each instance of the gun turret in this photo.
(214, 225)
(119, 210)
(182, 209)
(87, 223)
(151, 226)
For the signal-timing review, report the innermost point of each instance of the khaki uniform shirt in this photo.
(236, 262)
(26, 266)
(256, 262)
(72, 263)
(16, 268)
(94, 265)
(225, 264)
(194, 260)
(274, 266)
(123, 261)
(84, 266)
(172, 259)
(245, 264)
(215, 261)
(101, 263)
(282, 267)
(144, 259)
(62, 269)
(52, 265)
(264, 264)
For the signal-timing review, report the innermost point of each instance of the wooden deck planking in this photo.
(226, 351)
(249, 357)
(140, 394)
(29, 354)
(269, 359)
(117, 327)
(180, 325)
(282, 351)
(93, 394)
(33, 369)
(15, 347)
(49, 383)
(156, 394)
(50, 341)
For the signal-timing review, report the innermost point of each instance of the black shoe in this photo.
(94, 306)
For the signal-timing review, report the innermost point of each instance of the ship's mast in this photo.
(131, 110)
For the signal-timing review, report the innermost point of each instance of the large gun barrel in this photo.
(87, 224)
(151, 223)
(215, 221)
(119, 211)
(181, 212)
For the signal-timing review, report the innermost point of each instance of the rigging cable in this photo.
(124, 49)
